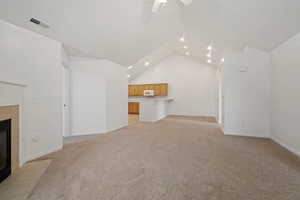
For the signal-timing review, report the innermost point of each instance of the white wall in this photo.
(285, 102)
(220, 94)
(98, 96)
(65, 59)
(116, 94)
(192, 85)
(11, 94)
(246, 90)
(88, 98)
(34, 61)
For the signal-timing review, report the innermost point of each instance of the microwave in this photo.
(148, 93)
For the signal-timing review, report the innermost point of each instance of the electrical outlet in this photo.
(35, 139)
(243, 69)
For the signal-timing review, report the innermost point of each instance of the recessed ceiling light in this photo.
(209, 60)
(209, 47)
(187, 53)
(223, 60)
(128, 76)
(147, 63)
(185, 47)
(208, 55)
(181, 39)
(130, 67)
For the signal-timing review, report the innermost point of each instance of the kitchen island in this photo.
(152, 109)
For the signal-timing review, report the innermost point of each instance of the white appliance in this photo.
(148, 93)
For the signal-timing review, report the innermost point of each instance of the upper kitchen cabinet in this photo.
(160, 89)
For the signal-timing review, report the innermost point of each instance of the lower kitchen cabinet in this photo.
(133, 107)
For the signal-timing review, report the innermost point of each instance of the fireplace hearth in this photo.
(5, 149)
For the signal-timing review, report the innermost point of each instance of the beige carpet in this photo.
(194, 118)
(19, 185)
(174, 159)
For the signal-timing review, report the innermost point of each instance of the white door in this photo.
(66, 100)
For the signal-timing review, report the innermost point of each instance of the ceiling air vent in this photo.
(40, 23)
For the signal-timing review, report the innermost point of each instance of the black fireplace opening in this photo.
(5, 149)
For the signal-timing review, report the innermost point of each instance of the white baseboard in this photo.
(98, 132)
(245, 135)
(117, 128)
(88, 133)
(291, 149)
(39, 154)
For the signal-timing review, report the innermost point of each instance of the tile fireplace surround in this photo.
(12, 112)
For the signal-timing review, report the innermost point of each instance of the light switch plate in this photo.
(243, 69)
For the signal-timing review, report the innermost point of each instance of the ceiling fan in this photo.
(158, 3)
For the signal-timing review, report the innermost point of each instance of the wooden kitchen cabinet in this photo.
(160, 89)
(164, 90)
(133, 108)
(140, 90)
(157, 90)
(130, 90)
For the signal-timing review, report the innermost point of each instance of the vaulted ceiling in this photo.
(125, 31)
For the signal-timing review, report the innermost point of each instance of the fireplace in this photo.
(5, 149)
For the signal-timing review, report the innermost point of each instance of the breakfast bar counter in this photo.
(152, 109)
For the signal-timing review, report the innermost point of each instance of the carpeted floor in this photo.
(20, 184)
(174, 159)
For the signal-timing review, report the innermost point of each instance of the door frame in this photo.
(66, 120)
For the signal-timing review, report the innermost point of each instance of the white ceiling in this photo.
(126, 32)
(197, 52)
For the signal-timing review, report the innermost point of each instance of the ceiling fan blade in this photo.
(186, 2)
(156, 5)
